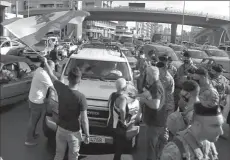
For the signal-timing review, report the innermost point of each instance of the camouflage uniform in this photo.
(169, 86)
(209, 95)
(179, 78)
(222, 86)
(141, 66)
(172, 70)
(192, 149)
(183, 71)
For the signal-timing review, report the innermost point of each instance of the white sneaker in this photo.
(31, 143)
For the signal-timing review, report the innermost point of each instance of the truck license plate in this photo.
(97, 140)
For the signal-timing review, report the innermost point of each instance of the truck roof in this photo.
(99, 54)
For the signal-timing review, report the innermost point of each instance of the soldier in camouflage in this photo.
(168, 83)
(182, 72)
(220, 83)
(196, 142)
(172, 69)
(141, 66)
(208, 94)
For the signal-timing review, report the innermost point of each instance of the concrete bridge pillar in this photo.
(173, 32)
(78, 27)
(3, 5)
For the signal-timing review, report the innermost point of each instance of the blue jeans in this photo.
(155, 141)
(36, 111)
(64, 138)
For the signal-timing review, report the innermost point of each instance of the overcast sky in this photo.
(219, 8)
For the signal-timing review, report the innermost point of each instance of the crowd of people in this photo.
(186, 117)
(181, 108)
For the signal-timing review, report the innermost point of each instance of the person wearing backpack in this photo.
(123, 115)
(197, 141)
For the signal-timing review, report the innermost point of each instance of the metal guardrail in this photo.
(162, 10)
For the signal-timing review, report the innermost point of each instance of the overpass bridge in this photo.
(174, 17)
(216, 36)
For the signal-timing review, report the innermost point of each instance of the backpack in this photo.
(111, 103)
(127, 131)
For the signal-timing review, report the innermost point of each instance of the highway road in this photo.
(14, 121)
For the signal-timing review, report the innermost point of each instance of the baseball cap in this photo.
(120, 83)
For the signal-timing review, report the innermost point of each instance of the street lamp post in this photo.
(182, 28)
(28, 8)
(166, 8)
(229, 11)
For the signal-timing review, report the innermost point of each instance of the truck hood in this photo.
(97, 89)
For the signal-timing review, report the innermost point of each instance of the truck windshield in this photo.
(103, 70)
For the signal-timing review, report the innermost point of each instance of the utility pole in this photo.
(229, 11)
(16, 8)
(28, 8)
(182, 28)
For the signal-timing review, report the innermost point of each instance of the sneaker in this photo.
(31, 143)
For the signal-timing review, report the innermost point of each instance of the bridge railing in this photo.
(171, 11)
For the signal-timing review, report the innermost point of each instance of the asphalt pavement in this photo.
(14, 121)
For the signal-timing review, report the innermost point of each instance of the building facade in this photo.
(147, 29)
(97, 29)
(4, 5)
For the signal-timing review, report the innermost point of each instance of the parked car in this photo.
(130, 57)
(11, 47)
(177, 48)
(197, 55)
(4, 38)
(42, 48)
(97, 87)
(225, 48)
(216, 53)
(206, 47)
(225, 62)
(18, 89)
(160, 50)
